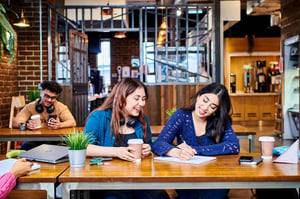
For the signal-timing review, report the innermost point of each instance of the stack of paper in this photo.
(194, 160)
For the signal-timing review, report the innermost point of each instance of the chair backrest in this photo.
(17, 102)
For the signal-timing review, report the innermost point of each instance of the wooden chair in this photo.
(17, 102)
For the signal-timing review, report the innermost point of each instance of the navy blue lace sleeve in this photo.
(181, 125)
(166, 137)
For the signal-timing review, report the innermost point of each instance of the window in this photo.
(104, 63)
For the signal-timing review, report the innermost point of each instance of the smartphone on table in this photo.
(246, 158)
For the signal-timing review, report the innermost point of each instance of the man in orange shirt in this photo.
(52, 113)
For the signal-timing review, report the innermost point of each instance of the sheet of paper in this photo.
(194, 160)
(290, 155)
(6, 165)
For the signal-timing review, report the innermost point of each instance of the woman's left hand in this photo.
(146, 150)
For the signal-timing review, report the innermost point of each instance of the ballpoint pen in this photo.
(185, 144)
(183, 141)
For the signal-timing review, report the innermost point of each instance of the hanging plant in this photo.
(8, 35)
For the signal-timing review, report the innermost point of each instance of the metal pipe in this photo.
(41, 44)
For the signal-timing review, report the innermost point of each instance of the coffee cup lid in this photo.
(35, 116)
(266, 139)
(135, 141)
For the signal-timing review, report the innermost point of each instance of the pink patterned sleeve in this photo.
(7, 183)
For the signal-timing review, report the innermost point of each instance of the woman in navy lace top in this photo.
(204, 128)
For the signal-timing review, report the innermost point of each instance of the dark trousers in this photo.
(202, 193)
(129, 194)
(277, 193)
(30, 144)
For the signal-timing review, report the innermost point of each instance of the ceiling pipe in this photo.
(41, 44)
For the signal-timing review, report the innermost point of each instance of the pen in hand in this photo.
(186, 146)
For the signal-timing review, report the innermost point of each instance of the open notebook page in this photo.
(6, 165)
(194, 160)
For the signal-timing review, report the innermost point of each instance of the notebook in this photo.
(197, 159)
(7, 164)
(47, 153)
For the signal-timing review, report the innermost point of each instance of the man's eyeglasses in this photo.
(49, 97)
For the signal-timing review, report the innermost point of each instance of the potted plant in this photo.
(34, 94)
(77, 143)
(171, 111)
(8, 35)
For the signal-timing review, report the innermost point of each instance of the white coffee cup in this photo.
(137, 144)
(266, 146)
(37, 120)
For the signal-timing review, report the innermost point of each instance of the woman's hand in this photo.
(21, 167)
(146, 150)
(186, 152)
(124, 153)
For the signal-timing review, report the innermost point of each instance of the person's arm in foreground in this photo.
(8, 180)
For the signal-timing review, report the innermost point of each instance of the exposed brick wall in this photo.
(121, 52)
(8, 87)
(24, 73)
(28, 56)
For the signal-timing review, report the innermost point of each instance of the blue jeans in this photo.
(202, 193)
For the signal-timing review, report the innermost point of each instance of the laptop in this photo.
(47, 153)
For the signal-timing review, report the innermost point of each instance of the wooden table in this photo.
(43, 134)
(241, 132)
(43, 178)
(224, 172)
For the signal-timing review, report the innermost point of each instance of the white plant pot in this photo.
(77, 157)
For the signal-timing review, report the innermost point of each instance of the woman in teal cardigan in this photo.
(117, 120)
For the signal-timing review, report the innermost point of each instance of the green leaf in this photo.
(5, 27)
(78, 140)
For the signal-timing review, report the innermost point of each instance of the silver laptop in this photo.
(47, 153)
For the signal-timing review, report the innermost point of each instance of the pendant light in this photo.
(120, 35)
(22, 21)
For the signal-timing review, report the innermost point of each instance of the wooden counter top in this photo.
(241, 94)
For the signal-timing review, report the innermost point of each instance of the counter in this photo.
(255, 94)
(254, 106)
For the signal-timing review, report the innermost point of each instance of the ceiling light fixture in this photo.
(22, 21)
(120, 35)
(178, 12)
(162, 32)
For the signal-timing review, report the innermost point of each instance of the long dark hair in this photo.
(216, 122)
(117, 99)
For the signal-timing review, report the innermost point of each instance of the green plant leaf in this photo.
(78, 140)
(5, 27)
(171, 111)
(33, 94)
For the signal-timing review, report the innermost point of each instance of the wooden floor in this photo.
(261, 129)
